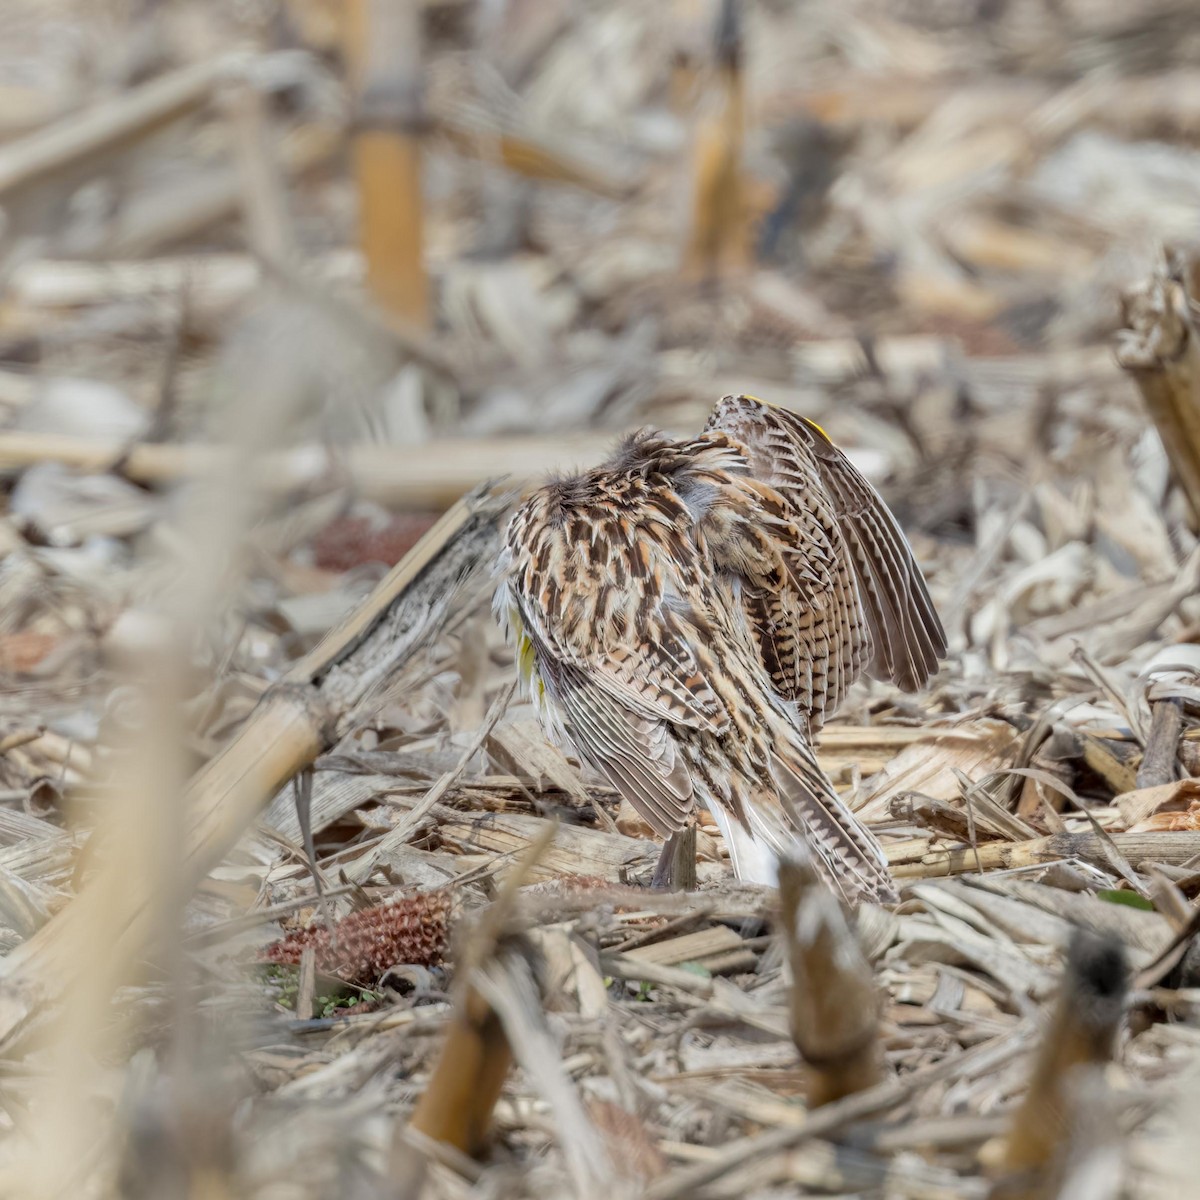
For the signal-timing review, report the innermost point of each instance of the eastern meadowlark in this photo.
(686, 615)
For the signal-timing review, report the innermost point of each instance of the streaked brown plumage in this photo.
(687, 614)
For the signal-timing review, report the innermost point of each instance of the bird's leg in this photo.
(676, 869)
(666, 858)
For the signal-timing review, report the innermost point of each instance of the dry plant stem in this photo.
(361, 870)
(383, 50)
(321, 698)
(1082, 1032)
(509, 984)
(302, 792)
(103, 127)
(421, 477)
(1171, 955)
(456, 1106)
(307, 986)
(1093, 1158)
(638, 970)
(140, 841)
(268, 223)
(920, 859)
(132, 899)
(332, 688)
(19, 738)
(1169, 899)
(1158, 348)
(523, 153)
(833, 1001)
(676, 868)
(685, 72)
(718, 238)
(832, 1117)
(412, 1157)
(162, 216)
(363, 320)
(1159, 764)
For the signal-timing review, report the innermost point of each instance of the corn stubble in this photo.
(1042, 1151)
(383, 54)
(1159, 348)
(833, 1001)
(719, 239)
(456, 1107)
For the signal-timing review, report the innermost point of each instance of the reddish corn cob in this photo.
(364, 944)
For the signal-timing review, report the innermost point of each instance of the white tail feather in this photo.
(754, 855)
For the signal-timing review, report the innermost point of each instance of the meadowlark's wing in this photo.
(811, 632)
(795, 457)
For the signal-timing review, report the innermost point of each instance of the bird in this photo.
(686, 614)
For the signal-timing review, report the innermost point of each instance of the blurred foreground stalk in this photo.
(159, 834)
(500, 1019)
(57, 988)
(456, 1106)
(429, 475)
(316, 703)
(1158, 347)
(718, 239)
(1043, 1148)
(833, 1002)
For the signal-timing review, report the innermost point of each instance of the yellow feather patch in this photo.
(526, 658)
(814, 425)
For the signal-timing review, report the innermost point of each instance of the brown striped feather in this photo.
(794, 455)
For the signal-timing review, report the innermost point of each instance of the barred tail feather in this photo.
(805, 810)
(846, 852)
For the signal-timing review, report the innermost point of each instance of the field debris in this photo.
(287, 322)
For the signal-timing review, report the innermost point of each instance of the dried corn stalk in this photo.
(718, 239)
(833, 1001)
(456, 1106)
(383, 52)
(1082, 1034)
(1158, 348)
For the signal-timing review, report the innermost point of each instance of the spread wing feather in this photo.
(813, 633)
(638, 755)
(887, 621)
(615, 609)
(906, 632)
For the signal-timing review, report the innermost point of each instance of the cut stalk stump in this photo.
(384, 58)
(1158, 347)
(718, 239)
(456, 1106)
(676, 869)
(834, 1002)
(1081, 1037)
